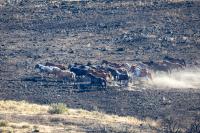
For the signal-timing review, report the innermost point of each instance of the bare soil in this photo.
(34, 32)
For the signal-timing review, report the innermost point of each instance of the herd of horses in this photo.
(108, 72)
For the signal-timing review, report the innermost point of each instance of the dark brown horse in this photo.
(158, 66)
(101, 73)
(95, 80)
(112, 64)
(175, 61)
(172, 66)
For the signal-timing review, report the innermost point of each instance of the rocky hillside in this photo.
(123, 31)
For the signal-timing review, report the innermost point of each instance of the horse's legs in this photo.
(42, 78)
(125, 83)
(131, 79)
(169, 71)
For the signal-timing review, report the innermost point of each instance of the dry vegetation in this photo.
(26, 117)
(37, 31)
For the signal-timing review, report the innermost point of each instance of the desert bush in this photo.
(195, 126)
(171, 126)
(3, 123)
(26, 126)
(56, 120)
(6, 131)
(58, 108)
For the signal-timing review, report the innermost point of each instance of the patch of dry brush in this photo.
(25, 117)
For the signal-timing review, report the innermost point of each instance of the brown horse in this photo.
(61, 66)
(115, 65)
(101, 73)
(65, 75)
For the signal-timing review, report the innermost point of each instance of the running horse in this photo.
(115, 65)
(171, 65)
(158, 66)
(101, 73)
(174, 60)
(140, 72)
(80, 71)
(65, 75)
(123, 76)
(46, 69)
(61, 66)
(97, 80)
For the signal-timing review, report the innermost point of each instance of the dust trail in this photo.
(187, 78)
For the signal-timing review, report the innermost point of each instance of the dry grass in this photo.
(21, 107)
(25, 117)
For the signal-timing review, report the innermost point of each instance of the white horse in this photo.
(138, 73)
(46, 69)
(42, 69)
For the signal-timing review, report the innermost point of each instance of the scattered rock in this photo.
(37, 57)
(103, 49)
(120, 49)
(71, 51)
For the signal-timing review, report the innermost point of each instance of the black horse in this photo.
(113, 72)
(79, 71)
(123, 77)
(97, 80)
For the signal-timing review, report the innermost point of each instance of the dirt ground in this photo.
(36, 31)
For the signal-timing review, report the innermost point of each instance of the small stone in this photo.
(103, 49)
(120, 49)
(71, 51)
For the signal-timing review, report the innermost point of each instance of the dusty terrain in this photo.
(34, 32)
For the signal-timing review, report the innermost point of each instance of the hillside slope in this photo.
(37, 31)
(24, 117)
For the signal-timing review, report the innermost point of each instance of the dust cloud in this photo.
(187, 78)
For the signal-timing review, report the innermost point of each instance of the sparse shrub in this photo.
(171, 126)
(58, 108)
(95, 108)
(6, 131)
(25, 126)
(36, 129)
(3, 123)
(56, 119)
(195, 126)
